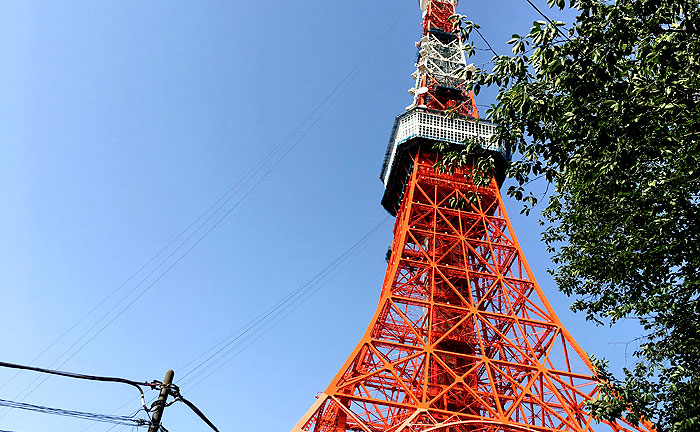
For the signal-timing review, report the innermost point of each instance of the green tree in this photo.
(607, 111)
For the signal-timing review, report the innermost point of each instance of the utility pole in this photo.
(160, 403)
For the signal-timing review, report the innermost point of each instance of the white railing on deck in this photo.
(422, 124)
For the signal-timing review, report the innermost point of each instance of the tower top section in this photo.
(441, 63)
(443, 109)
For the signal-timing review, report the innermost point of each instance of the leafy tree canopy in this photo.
(607, 111)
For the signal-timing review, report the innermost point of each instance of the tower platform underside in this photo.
(421, 128)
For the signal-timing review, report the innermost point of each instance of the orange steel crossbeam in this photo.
(463, 335)
(463, 338)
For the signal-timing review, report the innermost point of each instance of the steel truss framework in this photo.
(463, 338)
(441, 64)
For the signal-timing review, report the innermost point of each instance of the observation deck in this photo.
(420, 127)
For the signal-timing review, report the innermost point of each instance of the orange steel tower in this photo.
(463, 338)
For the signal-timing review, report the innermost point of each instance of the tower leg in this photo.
(463, 338)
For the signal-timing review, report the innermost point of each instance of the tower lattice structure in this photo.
(463, 338)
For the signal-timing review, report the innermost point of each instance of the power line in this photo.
(175, 392)
(132, 383)
(334, 94)
(244, 180)
(548, 20)
(236, 186)
(274, 315)
(487, 42)
(149, 403)
(233, 352)
(260, 321)
(100, 303)
(104, 418)
(329, 100)
(136, 384)
(293, 295)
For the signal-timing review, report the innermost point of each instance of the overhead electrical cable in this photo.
(549, 20)
(129, 402)
(487, 42)
(175, 392)
(234, 351)
(246, 178)
(288, 298)
(103, 301)
(132, 383)
(236, 186)
(136, 384)
(273, 315)
(104, 418)
(265, 314)
(335, 94)
(329, 100)
(108, 418)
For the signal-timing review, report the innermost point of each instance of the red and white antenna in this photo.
(441, 63)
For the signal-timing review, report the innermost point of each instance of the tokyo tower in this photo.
(463, 338)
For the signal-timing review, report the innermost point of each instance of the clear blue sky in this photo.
(122, 121)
